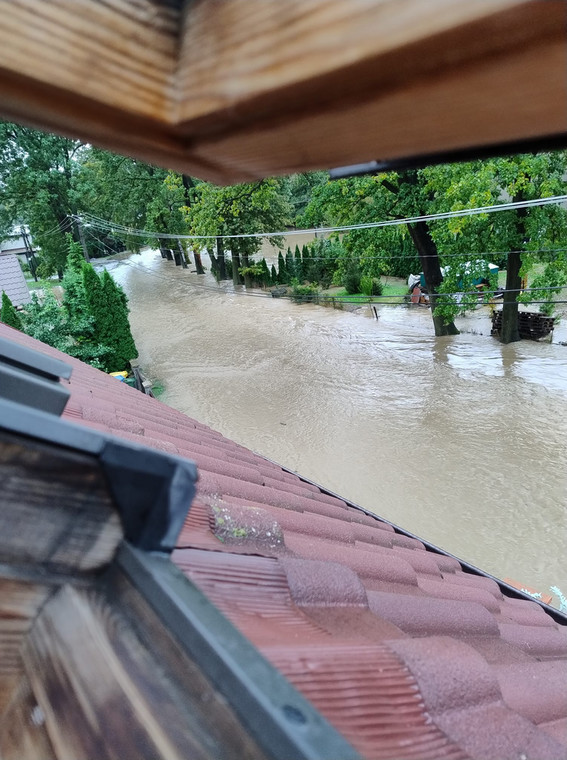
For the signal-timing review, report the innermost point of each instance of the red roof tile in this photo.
(405, 652)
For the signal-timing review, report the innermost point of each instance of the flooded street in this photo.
(459, 440)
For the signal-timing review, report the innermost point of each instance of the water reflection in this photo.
(459, 439)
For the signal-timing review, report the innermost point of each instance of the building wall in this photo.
(12, 280)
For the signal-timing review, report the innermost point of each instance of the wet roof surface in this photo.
(408, 655)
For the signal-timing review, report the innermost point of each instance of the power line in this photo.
(346, 228)
(414, 254)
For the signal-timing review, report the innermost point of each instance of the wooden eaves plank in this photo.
(237, 89)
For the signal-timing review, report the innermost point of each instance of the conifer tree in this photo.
(298, 264)
(119, 337)
(307, 265)
(282, 271)
(75, 299)
(265, 277)
(8, 313)
(289, 265)
(274, 277)
(102, 320)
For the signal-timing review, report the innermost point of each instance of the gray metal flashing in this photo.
(33, 361)
(32, 378)
(276, 715)
(31, 389)
(152, 490)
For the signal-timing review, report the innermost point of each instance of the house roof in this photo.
(406, 653)
(232, 93)
(12, 280)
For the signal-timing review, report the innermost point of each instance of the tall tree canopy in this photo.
(38, 187)
(245, 208)
(519, 238)
(462, 244)
(120, 190)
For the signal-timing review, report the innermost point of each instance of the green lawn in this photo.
(393, 292)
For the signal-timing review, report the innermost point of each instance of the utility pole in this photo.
(82, 239)
(29, 252)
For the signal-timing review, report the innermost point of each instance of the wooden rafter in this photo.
(232, 90)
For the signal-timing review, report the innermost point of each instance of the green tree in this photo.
(108, 307)
(521, 234)
(75, 298)
(236, 210)
(121, 190)
(97, 307)
(38, 187)
(167, 213)
(8, 313)
(265, 276)
(290, 265)
(282, 270)
(298, 189)
(298, 264)
(48, 322)
(463, 240)
(118, 334)
(380, 197)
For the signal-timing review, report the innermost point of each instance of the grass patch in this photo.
(393, 292)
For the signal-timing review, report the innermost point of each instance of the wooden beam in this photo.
(237, 89)
(55, 509)
(107, 696)
(119, 53)
(22, 727)
(297, 50)
(475, 105)
(19, 604)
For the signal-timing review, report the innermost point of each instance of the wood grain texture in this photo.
(106, 695)
(55, 509)
(22, 727)
(232, 90)
(19, 604)
(118, 53)
(235, 51)
(472, 106)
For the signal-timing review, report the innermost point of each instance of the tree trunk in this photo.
(221, 261)
(247, 278)
(235, 267)
(429, 257)
(163, 244)
(198, 263)
(509, 332)
(183, 255)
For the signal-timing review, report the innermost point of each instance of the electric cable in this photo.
(345, 228)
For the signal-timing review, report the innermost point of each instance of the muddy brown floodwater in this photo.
(460, 440)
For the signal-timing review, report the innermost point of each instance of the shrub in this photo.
(8, 313)
(305, 293)
(351, 281)
(371, 286)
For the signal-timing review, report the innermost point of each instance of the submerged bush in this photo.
(305, 293)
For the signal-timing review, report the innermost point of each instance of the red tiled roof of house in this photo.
(404, 652)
